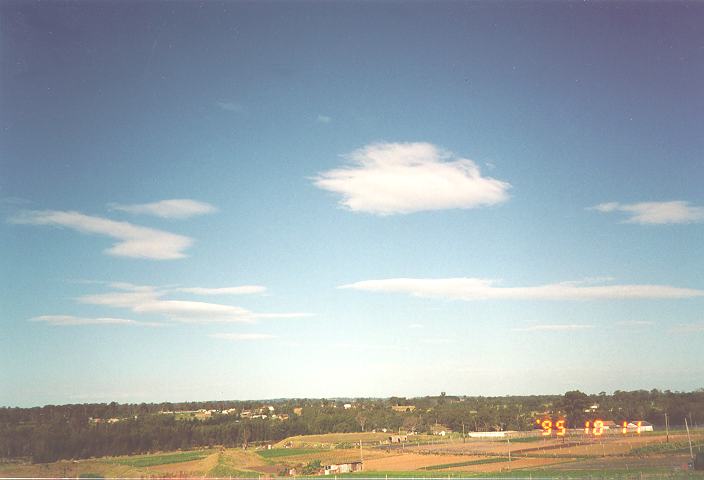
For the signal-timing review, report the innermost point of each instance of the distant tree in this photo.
(573, 404)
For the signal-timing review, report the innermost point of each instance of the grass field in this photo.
(165, 459)
(286, 452)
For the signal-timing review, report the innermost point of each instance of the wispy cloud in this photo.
(437, 341)
(241, 290)
(133, 240)
(230, 106)
(553, 328)
(398, 178)
(242, 336)
(415, 325)
(150, 300)
(323, 119)
(655, 213)
(70, 320)
(635, 323)
(689, 328)
(483, 289)
(177, 208)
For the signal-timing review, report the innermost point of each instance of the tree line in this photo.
(53, 432)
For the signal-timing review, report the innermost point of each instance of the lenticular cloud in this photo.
(395, 178)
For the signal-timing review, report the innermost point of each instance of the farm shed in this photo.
(338, 468)
(398, 438)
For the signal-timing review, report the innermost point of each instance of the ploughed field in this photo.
(423, 456)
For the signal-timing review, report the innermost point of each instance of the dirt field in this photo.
(411, 461)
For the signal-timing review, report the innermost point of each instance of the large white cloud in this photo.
(482, 289)
(655, 213)
(176, 208)
(393, 178)
(133, 240)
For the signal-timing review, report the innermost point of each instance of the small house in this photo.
(338, 468)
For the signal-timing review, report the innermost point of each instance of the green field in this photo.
(164, 459)
(286, 452)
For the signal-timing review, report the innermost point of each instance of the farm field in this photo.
(647, 454)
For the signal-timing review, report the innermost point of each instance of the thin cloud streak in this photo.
(242, 336)
(655, 213)
(553, 328)
(70, 320)
(178, 208)
(635, 323)
(483, 289)
(133, 241)
(689, 328)
(401, 178)
(241, 290)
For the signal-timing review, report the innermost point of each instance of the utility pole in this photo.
(463, 441)
(508, 441)
(667, 429)
(691, 452)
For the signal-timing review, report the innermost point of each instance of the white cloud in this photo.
(392, 178)
(553, 328)
(241, 290)
(176, 208)
(70, 320)
(655, 213)
(150, 300)
(482, 289)
(323, 119)
(242, 336)
(133, 240)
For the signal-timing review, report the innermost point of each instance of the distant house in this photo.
(440, 429)
(403, 408)
(298, 411)
(347, 406)
(398, 438)
(609, 424)
(246, 414)
(203, 414)
(643, 427)
(339, 468)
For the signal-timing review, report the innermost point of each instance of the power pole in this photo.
(691, 452)
(508, 441)
(667, 429)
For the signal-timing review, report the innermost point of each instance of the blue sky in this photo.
(250, 200)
